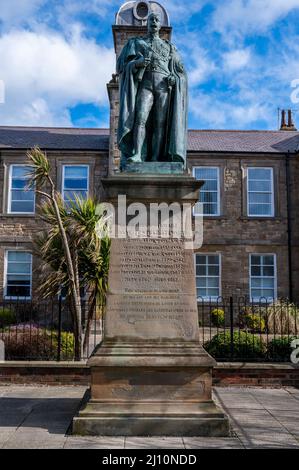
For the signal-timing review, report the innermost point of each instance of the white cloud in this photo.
(45, 74)
(237, 59)
(200, 66)
(218, 113)
(180, 10)
(15, 12)
(96, 7)
(38, 113)
(243, 16)
(196, 58)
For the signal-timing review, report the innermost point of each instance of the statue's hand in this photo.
(142, 62)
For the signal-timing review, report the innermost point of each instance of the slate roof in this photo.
(243, 141)
(198, 140)
(54, 138)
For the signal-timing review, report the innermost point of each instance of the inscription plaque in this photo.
(151, 265)
(152, 285)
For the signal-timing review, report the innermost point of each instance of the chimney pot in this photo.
(283, 126)
(291, 126)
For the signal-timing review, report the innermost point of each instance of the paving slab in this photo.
(17, 443)
(5, 436)
(289, 420)
(270, 442)
(11, 419)
(39, 417)
(276, 399)
(293, 391)
(154, 443)
(238, 398)
(74, 442)
(212, 443)
(254, 416)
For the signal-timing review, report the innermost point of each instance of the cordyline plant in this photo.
(74, 249)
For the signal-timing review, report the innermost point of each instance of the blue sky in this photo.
(57, 56)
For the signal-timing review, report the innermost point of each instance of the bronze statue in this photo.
(153, 100)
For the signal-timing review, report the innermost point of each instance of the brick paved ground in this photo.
(39, 417)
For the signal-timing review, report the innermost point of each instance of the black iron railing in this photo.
(231, 329)
(42, 330)
(236, 329)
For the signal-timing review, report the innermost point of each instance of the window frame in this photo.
(70, 165)
(218, 214)
(9, 200)
(272, 215)
(264, 299)
(9, 297)
(210, 298)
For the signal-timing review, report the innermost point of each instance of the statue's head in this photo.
(153, 23)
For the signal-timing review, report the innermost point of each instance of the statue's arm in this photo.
(177, 60)
(130, 56)
(125, 56)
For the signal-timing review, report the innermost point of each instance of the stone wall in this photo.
(248, 374)
(235, 236)
(294, 206)
(232, 234)
(17, 231)
(224, 374)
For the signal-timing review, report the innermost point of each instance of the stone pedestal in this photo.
(150, 375)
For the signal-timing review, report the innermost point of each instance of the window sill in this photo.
(211, 217)
(17, 299)
(268, 217)
(18, 215)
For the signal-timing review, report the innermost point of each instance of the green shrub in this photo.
(255, 323)
(7, 317)
(279, 349)
(218, 317)
(67, 345)
(245, 346)
(29, 341)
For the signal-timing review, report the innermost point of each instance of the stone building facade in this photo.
(232, 236)
(250, 196)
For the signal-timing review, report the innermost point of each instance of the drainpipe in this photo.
(289, 215)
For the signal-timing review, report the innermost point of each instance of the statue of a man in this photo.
(153, 99)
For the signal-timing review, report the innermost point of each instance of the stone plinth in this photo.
(150, 375)
(155, 168)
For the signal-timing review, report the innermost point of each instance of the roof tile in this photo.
(198, 140)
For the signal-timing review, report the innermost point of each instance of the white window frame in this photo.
(69, 165)
(218, 190)
(210, 298)
(8, 297)
(275, 276)
(9, 211)
(272, 191)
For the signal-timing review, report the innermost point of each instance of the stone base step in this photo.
(180, 419)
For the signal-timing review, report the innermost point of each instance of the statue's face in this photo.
(153, 23)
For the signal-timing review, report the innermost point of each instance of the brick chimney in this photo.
(291, 125)
(287, 126)
(283, 126)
